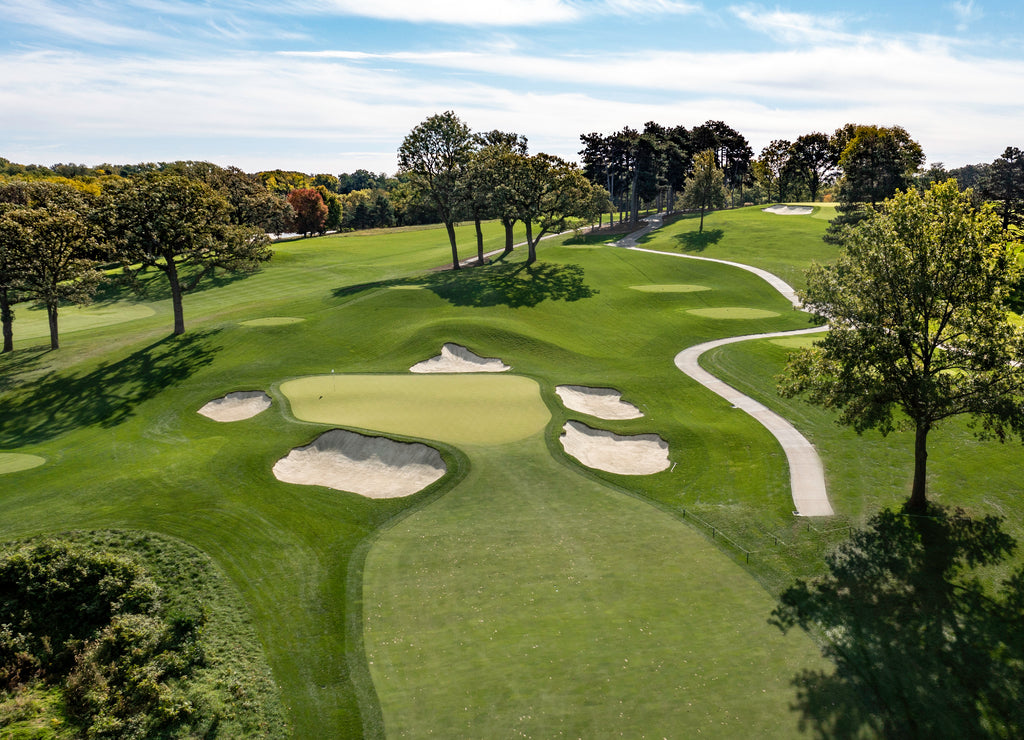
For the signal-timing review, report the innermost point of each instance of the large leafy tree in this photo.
(310, 210)
(47, 248)
(876, 162)
(550, 193)
(434, 156)
(814, 161)
(1004, 183)
(705, 187)
(181, 227)
(771, 166)
(489, 168)
(733, 154)
(919, 330)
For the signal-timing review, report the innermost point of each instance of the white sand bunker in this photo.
(236, 406)
(781, 210)
(641, 454)
(455, 358)
(375, 467)
(604, 403)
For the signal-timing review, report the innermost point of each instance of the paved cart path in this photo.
(806, 474)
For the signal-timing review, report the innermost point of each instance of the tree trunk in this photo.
(509, 237)
(917, 501)
(531, 245)
(634, 197)
(479, 244)
(671, 199)
(51, 315)
(179, 314)
(7, 319)
(455, 250)
(701, 229)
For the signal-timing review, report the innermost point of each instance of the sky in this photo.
(332, 86)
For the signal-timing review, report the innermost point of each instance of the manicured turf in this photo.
(114, 414)
(12, 462)
(460, 409)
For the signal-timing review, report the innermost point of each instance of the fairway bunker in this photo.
(640, 454)
(782, 210)
(236, 406)
(604, 403)
(455, 358)
(375, 467)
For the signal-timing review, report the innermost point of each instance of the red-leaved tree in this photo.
(310, 210)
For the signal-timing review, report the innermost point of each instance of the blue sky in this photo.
(334, 85)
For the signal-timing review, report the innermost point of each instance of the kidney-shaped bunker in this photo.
(375, 467)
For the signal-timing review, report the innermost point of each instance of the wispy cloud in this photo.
(965, 13)
(792, 28)
(75, 23)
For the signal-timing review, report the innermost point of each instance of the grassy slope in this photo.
(113, 411)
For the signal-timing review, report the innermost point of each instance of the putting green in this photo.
(732, 312)
(463, 409)
(679, 288)
(12, 462)
(801, 342)
(33, 323)
(273, 321)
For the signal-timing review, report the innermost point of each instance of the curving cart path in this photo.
(806, 474)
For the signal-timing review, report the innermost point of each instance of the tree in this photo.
(47, 244)
(1004, 183)
(550, 192)
(485, 175)
(876, 162)
(814, 160)
(55, 267)
(732, 152)
(921, 649)
(434, 156)
(705, 187)
(310, 210)
(771, 165)
(180, 227)
(917, 311)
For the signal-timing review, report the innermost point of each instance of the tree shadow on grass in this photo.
(107, 396)
(921, 648)
(499, 284)
(17, 365)
(698, 241)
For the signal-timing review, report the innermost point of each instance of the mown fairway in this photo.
(113, 414)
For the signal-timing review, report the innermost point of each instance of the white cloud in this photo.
(56, 19)
(461, 12)
(791, 28)
(966, 13)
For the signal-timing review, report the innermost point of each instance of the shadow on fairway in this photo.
(698, 241)
(498, 284)
(16, 365)
(106, 396)
(154, 286)
(921, 647)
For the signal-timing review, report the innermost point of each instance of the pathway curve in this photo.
(806, 474)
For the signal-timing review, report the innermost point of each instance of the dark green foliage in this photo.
(921, 648)
(90, 620)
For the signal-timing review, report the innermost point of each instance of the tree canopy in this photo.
(434, 156)
(181, 227)
(919, 328)
(705, 186)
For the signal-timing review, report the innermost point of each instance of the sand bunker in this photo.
(457, 359)
(604, 403)
(781, 210)
(375, 467)
(641, 454)
(236, 406)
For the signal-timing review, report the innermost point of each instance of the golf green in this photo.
(677, 288)
(733, 312)
(273, 321)
(12, 462)
(464, 409)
